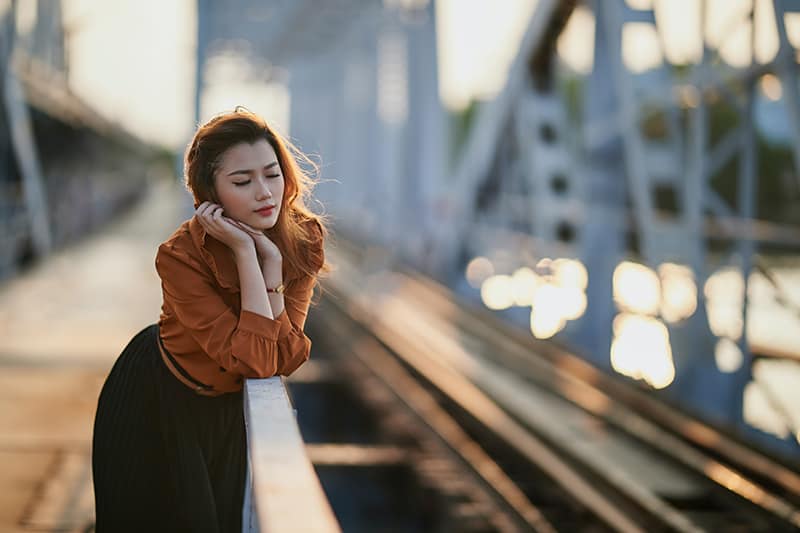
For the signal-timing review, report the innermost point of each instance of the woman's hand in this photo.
(266, 249)
(210, 217)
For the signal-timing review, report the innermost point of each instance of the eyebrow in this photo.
(248, 171)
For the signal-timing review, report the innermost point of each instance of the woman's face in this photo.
(248, 182)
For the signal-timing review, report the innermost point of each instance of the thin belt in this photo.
(182, 375)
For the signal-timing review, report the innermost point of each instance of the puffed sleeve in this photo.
(249, 344)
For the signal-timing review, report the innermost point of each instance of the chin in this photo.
(264, 223)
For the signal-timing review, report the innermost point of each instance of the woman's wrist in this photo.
(268, 255)
(245, 252)
(273, 275)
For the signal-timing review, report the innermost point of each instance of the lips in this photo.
(265, 210)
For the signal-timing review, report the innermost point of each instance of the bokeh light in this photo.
(546, 316)
(572, 302)
(497, 292)
(759, 413)
(725, 284)
(525, 283)
(641, 349)
(570, 273)
(770, 86)
(678, 292)
(636, 288)
(478, 269)
(727, 355)
(641, 49)
(724, 293)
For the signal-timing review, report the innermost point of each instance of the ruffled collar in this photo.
(216, 255)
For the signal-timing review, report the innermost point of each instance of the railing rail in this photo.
(283, 492)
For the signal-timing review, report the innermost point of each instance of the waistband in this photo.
(183, 376)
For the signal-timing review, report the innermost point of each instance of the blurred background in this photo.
(618, 179)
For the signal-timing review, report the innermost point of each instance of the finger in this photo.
(239, 224)
(204, 222)
(209, 212)
(231, 221)
(205, 217)
(202, 207)
(248, 228)
(221, 220)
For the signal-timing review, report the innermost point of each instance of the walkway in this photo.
(62, 325)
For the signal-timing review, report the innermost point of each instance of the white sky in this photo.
(477, 41)
(133, 60)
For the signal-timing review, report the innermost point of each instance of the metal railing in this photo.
(283, 492)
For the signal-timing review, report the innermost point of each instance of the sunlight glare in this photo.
(641, 49)
(636, 288)
(726, 284)
(724, 292)
(546, 316)
(678, 292)
(758, 412)
(727, 355)
(525, 283)
(767, 41)
(792, 21)
(725, 320)
(679, 28)
(572, 302)
(641, 349)
(497, 292)
(570, 273)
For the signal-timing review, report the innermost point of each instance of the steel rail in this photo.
(674, 434)
(546, 457)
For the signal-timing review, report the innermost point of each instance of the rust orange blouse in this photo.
(207, 341)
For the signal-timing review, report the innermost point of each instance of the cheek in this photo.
(228, 198)
(222, 195)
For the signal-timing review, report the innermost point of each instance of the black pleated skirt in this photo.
(163, 457)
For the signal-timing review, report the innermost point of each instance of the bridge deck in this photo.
(62, 324)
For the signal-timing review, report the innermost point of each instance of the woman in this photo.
(169, 448)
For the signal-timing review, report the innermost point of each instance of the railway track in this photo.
(548, 442)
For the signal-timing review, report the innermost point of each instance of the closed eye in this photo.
(241, 183)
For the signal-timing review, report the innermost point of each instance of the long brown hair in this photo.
(298, 232)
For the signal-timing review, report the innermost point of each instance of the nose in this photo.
(263, 190)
